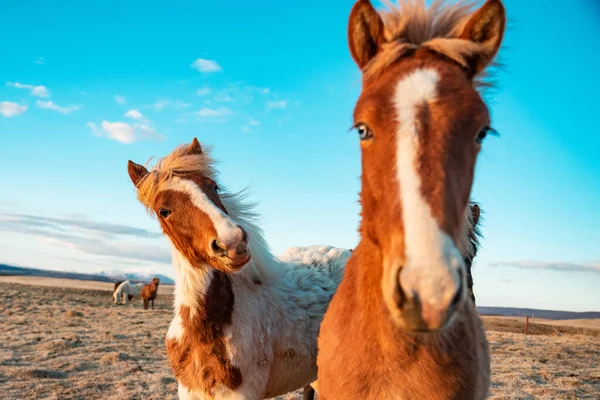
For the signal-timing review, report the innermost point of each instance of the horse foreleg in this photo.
(153, 304)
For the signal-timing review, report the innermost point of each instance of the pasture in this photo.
(62, 339)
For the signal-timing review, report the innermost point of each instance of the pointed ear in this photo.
(195, 147)
(486, 28)
(365, 32)
(136, 172)
(475, 212)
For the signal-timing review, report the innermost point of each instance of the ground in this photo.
(63, 339)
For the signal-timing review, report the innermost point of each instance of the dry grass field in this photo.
(63, 339)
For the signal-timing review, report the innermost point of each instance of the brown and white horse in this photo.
(246, 323)
(401, 325)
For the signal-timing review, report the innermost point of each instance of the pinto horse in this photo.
(401, 325)
(246, 323)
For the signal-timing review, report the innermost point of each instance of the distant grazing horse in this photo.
(149, 292)
(117, 283)
(246, 323)
(126, 291)
(400, 325)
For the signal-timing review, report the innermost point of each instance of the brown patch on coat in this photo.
(199, 358)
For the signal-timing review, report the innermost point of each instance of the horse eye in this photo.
(217, 189)
(482, 134)
(164, 212)
(364, 132)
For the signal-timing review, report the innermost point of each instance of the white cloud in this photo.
(123, 132)
(9, 109)
(120, 99)
(251, 122)
(50, 105)
(134, 114)
(222, 97)
(181, 104)
(39, 91)
(203, 91)
(211, 112)
(159, 105)
(553, 265)
(40, 61)
(204, 65)
(281, 104)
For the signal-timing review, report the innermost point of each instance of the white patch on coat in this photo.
(432, 259)
(227, 231)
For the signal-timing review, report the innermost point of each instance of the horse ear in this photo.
(485, 27)
(195, 147)
(475, 213)
(365, 32)
(136, 172)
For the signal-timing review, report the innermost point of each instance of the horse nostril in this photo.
(244, 234)
(458, 294)
(399, 296)
(217, 249)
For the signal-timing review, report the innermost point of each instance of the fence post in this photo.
(526, 324)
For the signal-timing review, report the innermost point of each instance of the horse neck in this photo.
(191, 284)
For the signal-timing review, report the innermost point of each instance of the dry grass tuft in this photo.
(73, 313)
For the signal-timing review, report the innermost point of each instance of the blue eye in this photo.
(364, 133)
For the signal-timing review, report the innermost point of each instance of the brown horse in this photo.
(401, 326)
(149, 292)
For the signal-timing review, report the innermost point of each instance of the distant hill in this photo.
(102, 276)
(543, 314)
(147, 275)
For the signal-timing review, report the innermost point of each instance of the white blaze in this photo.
(227, 231)
(432, 260)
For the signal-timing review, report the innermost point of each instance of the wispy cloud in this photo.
(87, 236)
(120, 99)
(211, 112)
(280, 104)
(249, 124)
(134, 114)
(222, 97)
(203, 91)
(204, 65)
(123, 132)
(12, 221)
(50, 105)
(40, 61)
(158, 105)
(9, 109)
(38, 91)
(181, 104)
(553, 266)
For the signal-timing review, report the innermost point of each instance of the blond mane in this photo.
(409, 24)
(178, 162)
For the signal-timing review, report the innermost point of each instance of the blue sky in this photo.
(274, 96)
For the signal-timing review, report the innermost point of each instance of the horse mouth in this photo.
(239, 265)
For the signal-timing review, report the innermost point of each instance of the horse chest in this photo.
(202, 367)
